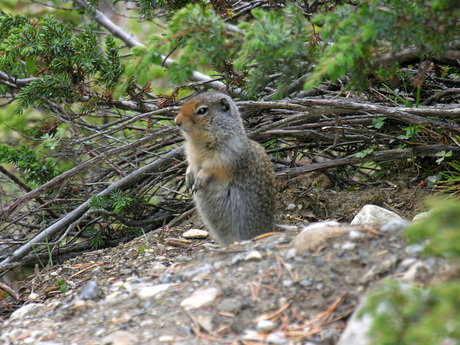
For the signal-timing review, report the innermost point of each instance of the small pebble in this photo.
(33, 295)
(318, 261)
(150, 291)
(355, 235)
(290, 253)
(276, 338)
(418, 269)
(291, 207)
(407, 262)
(230, 305)
(348, 246)
(166, 339)
(414, 249)
(265, 326)
(306, 282)
(196, 234)
(201, 298)
(287, 283)
(91, 291)
(253, 255)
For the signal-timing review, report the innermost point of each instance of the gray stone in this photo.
(414, 249)
(230, 305)
(306, 282)
(27, 309)
(371, 214)
(91, 291)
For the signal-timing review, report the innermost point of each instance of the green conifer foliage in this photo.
(65, 63)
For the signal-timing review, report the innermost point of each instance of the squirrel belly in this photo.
(242, 206)
(230, 176)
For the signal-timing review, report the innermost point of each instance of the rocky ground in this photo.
(283, 288)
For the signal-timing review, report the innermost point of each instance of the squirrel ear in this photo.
(224, 104)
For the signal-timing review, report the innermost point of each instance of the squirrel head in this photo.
(211, 116)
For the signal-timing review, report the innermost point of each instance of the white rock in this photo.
(150, 291)
(23, 311)
(348, 245)
(370, 214)
(195, 233)
(33, 295)
(166, 339)
(251, 335)
(201, 298)
(355, 235)
(265, 326)
(417, 269)
(253, 255)
(407, 262)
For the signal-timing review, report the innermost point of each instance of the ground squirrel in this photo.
(230, 176)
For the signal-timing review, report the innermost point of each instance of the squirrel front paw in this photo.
(189, 180)
(197, 181)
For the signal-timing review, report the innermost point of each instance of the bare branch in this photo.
(380, 156)
(71, 217)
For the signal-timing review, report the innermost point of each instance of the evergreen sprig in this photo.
(65, 63)
(277, 42)
(404, 314)
(356, 36)
(35, 169)
(116, 202)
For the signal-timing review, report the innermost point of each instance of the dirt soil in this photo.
(258, 292)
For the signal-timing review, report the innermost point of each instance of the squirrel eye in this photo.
(202, 111)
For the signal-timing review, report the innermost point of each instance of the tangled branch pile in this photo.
(95, 158)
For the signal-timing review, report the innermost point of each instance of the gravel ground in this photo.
(164, 289)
